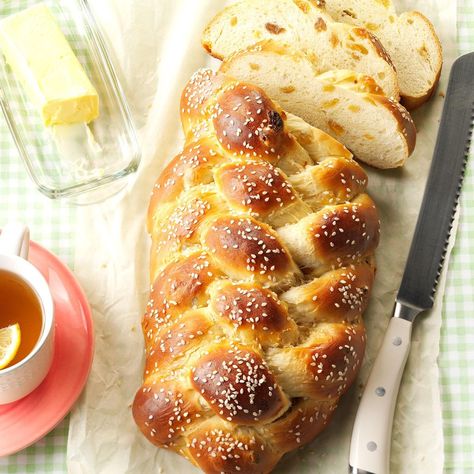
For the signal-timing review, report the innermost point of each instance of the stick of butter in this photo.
(42, 59)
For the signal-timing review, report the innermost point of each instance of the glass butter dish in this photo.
(81, 162)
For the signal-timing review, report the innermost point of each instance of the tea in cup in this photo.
(26, 318)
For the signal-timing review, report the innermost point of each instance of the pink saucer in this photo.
(24, 422)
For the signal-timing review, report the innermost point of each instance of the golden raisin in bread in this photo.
(261, 267)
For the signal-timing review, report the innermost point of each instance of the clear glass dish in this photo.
(87, 163)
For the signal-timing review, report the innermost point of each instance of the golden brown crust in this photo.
(248, 249)
(405, 123)
(163, 409)
(334, 362)
(238, 386)
(255, 186)
(255, 310)
(176, 287)
(343, 179)
(215, 450)
(190, 166)
(346, 232)
(247, 123)
(176, 227)
(247, 352)
(198, 90)
(175, 338)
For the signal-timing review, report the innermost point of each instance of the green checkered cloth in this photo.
(457, 333)
(52, 222)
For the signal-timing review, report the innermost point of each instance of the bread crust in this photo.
(250, 343)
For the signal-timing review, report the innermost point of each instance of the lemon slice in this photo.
(10, 338)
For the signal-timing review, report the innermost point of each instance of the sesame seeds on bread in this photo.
(261, 267)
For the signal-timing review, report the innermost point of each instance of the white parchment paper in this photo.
(156, 47)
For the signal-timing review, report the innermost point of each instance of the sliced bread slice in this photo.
(300, 23)
(409, 38)
(346, 105)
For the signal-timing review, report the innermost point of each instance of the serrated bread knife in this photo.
(371, 436)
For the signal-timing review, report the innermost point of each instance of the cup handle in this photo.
(15, 240)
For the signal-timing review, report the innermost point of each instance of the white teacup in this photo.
(22, 378)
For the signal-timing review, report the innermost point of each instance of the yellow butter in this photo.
(42, 59)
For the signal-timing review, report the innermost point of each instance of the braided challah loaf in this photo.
(262, 264)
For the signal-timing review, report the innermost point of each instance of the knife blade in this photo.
(371, 435)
